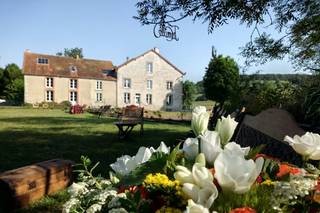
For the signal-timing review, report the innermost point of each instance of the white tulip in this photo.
(191, 148)
(163, 148)
(197, 184)
(236, 149)
(183, 175)
(210, 146)
(200, 119)
(308, 145)
(235, 173)
(203, 196)
(201, 175)
(143, 155)
(124, 165)
(226, 126)
(195, 208)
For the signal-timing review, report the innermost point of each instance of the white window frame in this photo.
(73, 83)
(73, 96)
(149, 84)
(49, 96)
(49, 82)
(42, 61)
(169, 85)
(169, 103)
(127, 83)
(126, 98)
(137, 97)
(149, 99)
(149, 67)
(99, 96)
(99, 85)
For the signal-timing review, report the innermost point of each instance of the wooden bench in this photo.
(130, 117)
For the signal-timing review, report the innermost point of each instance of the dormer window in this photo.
(73, 68)
(43, 61)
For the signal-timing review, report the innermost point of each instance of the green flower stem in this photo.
(199, 145)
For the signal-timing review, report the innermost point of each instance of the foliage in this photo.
(260, 95)
(11, 84)
(296, 21)
(221, 79)
(312, 105)
(72, 52)
(189, 92)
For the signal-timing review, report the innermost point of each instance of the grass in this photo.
(32, 135)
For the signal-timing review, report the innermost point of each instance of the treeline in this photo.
(293, 78)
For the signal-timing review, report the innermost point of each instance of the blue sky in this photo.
(105, 29)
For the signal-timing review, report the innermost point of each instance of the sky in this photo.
(106, 30)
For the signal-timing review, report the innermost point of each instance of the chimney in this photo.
(27, 51)
(156, 49)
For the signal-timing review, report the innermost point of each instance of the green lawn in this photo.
(32, 135)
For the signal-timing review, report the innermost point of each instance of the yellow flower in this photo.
(165, 209)
(268, 182)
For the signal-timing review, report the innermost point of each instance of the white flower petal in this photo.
(191, 148)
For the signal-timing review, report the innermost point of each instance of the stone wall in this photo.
(35, 90)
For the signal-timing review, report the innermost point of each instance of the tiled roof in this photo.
(154, 51)
(59, 66)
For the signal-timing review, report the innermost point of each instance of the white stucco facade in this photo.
(162, 72)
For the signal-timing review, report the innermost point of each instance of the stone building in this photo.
(148, 80)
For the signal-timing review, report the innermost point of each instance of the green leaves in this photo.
(270, 169)
(254, 151)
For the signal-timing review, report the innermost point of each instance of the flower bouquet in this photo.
(205, 174)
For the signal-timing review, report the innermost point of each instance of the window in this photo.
(73, 84)
(150, 67)
(99, 97)
(49, 96)
(149, 84)
(127, 83)
(73, 96)
(126, 98)
(49, 82)
(169, 100)
(43, 61)
(73, 68)
(169, 84)
(149, 99)
(99, 85)
(138, 98)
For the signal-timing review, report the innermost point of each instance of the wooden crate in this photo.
(20, 187)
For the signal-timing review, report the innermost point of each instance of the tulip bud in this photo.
(201, 159)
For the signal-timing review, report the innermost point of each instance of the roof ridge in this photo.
(68, 57)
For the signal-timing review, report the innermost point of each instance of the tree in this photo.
(11, 83)
(72, 52)
(221, 80)
(298, 24)
(189, 93)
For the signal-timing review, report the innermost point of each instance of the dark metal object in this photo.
(168, 31)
